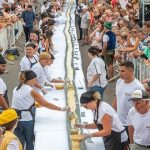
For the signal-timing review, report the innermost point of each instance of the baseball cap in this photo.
(84, 7)
(7, 116)
(139, 95)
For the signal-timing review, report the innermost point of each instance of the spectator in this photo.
(139, 121)
(44, 7)
(28, 17)
(109, 45)
(85, 22)
(147, 50)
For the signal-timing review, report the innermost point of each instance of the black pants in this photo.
(27, 31)
(79, 26)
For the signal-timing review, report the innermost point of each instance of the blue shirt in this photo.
(28, 17)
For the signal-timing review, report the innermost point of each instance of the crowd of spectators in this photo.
(131, 39)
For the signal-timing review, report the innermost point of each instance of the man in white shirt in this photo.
(139, 121)
(124, 88)
(3, 88)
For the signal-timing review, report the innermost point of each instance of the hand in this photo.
(79, 125)
(44, 91)
(87, 135)
(132, 147)
(78, 137)
(65, 108)
(24, 24)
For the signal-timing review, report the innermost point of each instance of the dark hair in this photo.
(7, 9)
(94, 50)
(30, 45)
(90, 96)
(26, 76)
(29, 6)
(52, 56)
(10, 125)
(2, 59)
(127, 64)
(45, 2)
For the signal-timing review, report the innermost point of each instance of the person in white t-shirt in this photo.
(23, 99)
(42, 71)
(106, 121)
(139, 121)
(124, 88)
(30, 58)
(96, 72)
(4, 103)
(44, 7)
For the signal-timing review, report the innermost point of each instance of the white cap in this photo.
(84, 7)
(139, 95)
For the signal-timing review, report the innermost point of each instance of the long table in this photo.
(51, 126)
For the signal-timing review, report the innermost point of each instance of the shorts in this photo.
(85, 32)
(109, 57)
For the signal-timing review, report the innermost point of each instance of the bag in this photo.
(111, 45)
(12, 51)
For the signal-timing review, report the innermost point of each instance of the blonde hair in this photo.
(97, 96)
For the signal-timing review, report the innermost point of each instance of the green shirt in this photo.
(147, 52)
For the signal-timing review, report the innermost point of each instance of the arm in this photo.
(90, 126)
(131, 132)
(3, 103)
(107, 126)
(93, 79)
(115, 103)
(104, 48)
(38, 98)
(133, 48)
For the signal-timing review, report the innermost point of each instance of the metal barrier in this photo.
(141, 69)
(8, 37)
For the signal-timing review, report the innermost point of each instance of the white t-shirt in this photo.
(13, 145)
(43, 9)
(141, 125)
(104, 109)
(123, 95)
(25, 62)
(105, 38)
(97, 66)
(3, 87)
(85, 20)
(94, 42)
(22, 99)
(40, 72)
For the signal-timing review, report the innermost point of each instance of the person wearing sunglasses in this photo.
(139, 121)
(106, 121)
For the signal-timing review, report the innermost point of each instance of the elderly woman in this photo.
(96, 72)
(24, 97)
(106, 121)
(8, 122)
